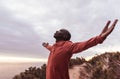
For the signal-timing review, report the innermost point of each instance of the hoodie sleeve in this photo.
(49, 47)
(81, 46)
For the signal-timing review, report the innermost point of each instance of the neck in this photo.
(59, 40)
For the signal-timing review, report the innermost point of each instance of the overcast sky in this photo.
(25, 24)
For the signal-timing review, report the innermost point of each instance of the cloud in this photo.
(17, 36)
(24, 24)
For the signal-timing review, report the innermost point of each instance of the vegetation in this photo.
(76, 61)
(105, 66)
(33, 73)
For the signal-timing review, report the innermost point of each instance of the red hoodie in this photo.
(60, 54)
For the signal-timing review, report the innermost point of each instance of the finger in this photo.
(43, 43)
(106, 26)
(113, 25)
(115, 22)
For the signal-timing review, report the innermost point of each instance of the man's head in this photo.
(62, 34)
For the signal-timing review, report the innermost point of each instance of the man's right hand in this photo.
(45, 44)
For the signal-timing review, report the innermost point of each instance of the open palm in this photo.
(106, 31)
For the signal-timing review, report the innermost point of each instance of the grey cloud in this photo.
(18, 37)
(84, 19)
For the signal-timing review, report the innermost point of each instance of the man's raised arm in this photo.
(80, 46)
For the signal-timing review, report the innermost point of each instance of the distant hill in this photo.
(104, 66)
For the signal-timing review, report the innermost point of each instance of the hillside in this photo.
(104, 66)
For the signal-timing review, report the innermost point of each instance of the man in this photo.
(63, 49)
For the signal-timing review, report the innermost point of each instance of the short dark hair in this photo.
(66, 34)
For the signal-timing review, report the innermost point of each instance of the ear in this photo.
(65, 37)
